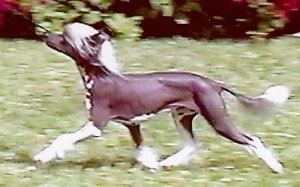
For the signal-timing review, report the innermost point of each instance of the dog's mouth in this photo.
(57, 42)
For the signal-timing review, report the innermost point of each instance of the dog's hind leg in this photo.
(66, 142)
(213, 109)
(183, 118)
(144, 154)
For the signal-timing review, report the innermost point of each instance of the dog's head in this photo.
(86, 45)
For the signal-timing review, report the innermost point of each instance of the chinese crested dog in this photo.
(130, 99)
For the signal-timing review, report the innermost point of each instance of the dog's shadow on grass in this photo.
(100, 162)
(118, 162)
(84, 163)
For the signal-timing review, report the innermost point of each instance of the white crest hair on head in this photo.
(77, 33)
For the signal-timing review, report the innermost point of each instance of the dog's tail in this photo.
(273, 98)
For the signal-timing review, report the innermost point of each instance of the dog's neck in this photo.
(100, 64)
(88, 71)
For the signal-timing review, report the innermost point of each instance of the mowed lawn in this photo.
(41, 97)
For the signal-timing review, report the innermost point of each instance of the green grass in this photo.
(41, 97)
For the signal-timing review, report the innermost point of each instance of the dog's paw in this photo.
(57, 150)
(170, 162)
(148, 158)
(259, 149)
(47, 155)
(180, 158)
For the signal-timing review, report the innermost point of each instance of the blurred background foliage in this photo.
(133, 19)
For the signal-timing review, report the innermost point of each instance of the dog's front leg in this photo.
(66, 142)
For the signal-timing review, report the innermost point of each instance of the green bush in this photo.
(54, 14)
(132, 19)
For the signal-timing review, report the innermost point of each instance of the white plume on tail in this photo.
(277, 94)
(269, 102)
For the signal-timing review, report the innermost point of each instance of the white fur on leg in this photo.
(182, 157)
(147, 157)
(66, 142)
(56, 150)
(88, 130)
(257, 148)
